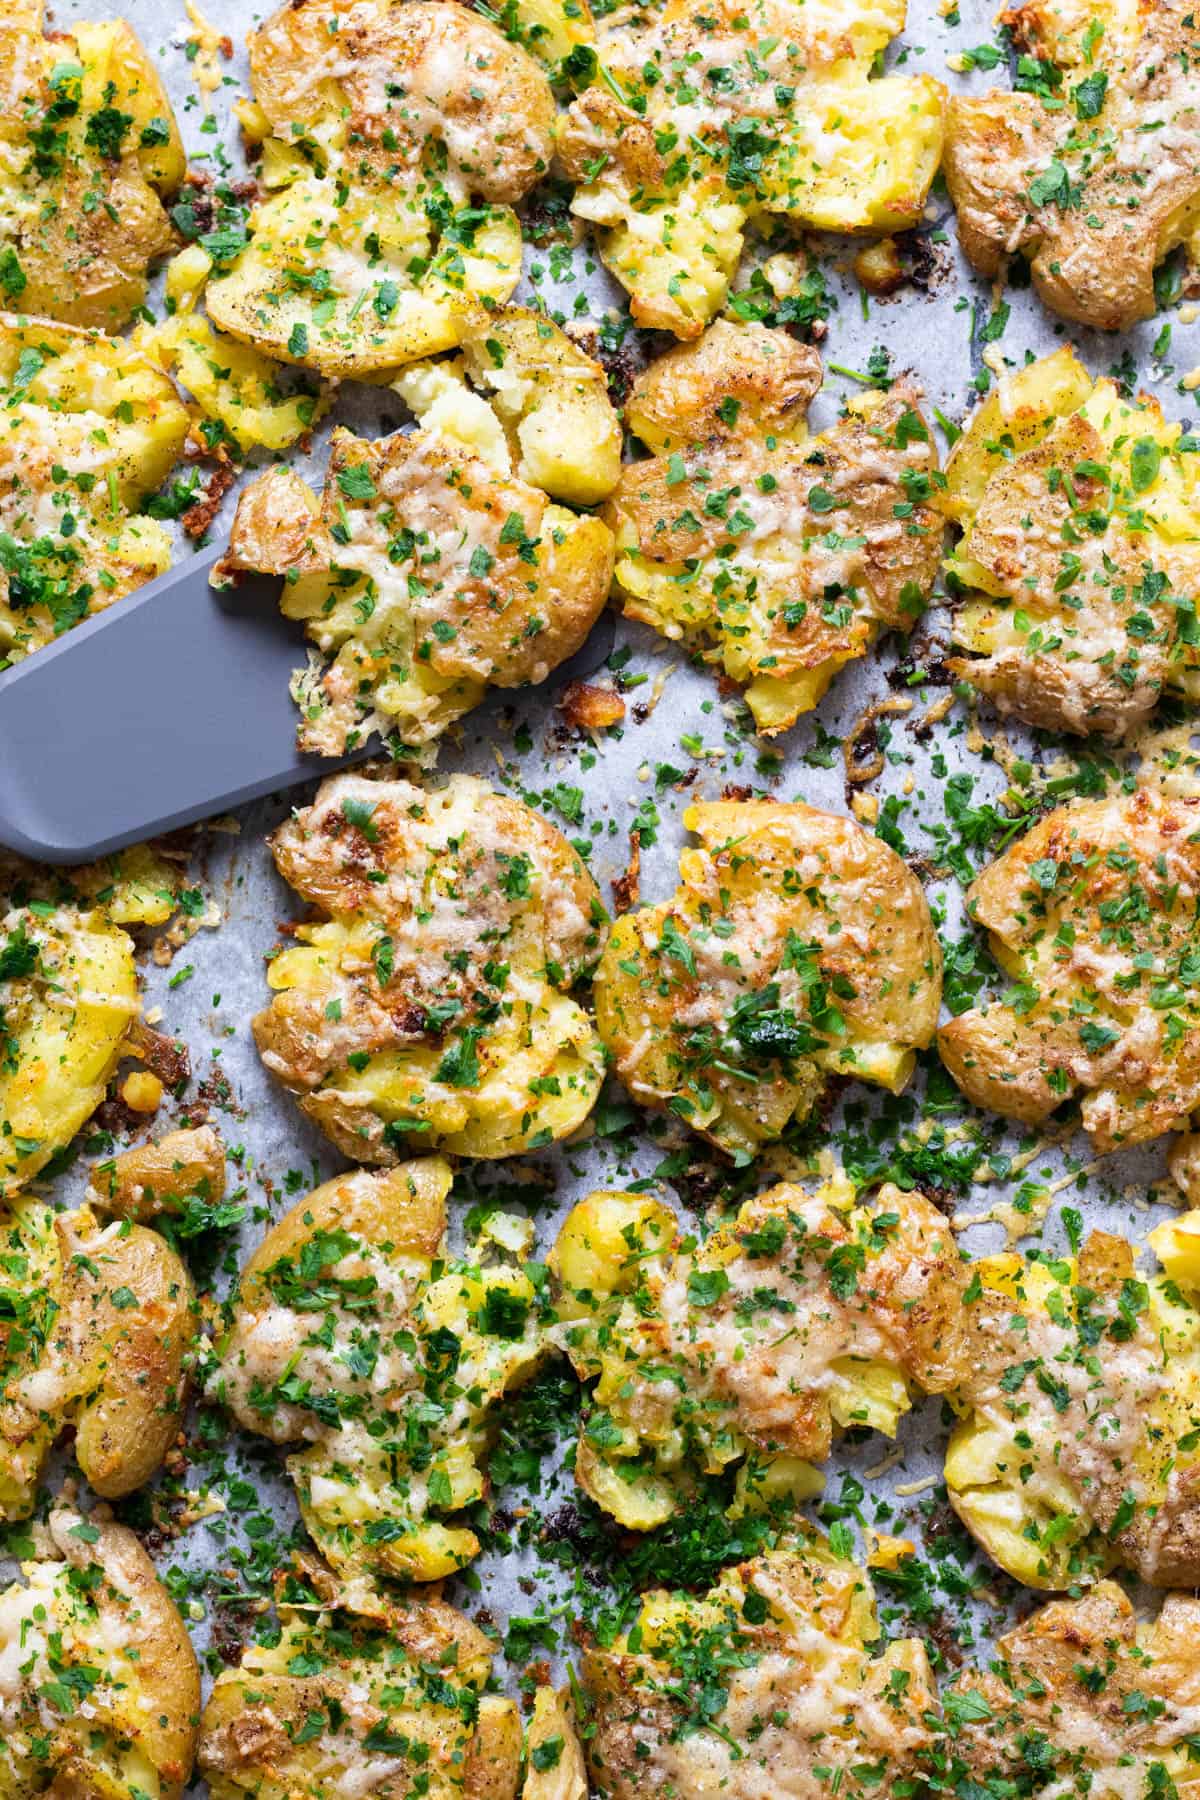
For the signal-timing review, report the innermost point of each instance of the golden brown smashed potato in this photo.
(88, 428)
(773, 1682)
(97, 1329)
(703, 118)
(783, 556)
(100, 1695)
(1096, 183)
(1092, 917)
(431, 1008)
(394, 1707)
(803, 1314)
(396, 139)
(439, 563)
(1101, 1698)
(797, 946)
(90, 151)
(356, 1335)
(160, 1177)
(1080, 1411)
(1080, 515)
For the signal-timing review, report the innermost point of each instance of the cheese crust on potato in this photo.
(99, 1690)
(396, 139)
(1080, 520)
(99, 1321)
(431, 1008)
(1092, 917)
(782, 556)
(803, 1313)
(1103, 1700)
(1080, 1411)
(702, 119)
(356, 1335)
(391, 1707)
(89, 149)
(797, 946)
(773, 1682)
(1097, 184)
(442, 562)
(88, 428)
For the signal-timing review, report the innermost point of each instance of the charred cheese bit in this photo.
(702, 119)
(396, 139)
(1080, 1416)
(99, 1324)
(341, 1705)
(432, 1008)
(357, 1336)
(89, 149)
(1092, 917)
(88, 428)
(439, 563)
(805, 1313)
(764, 1685)
(797, 946)
(780, 556)
(1096, 182)
(1080, 515)
(99, 1689)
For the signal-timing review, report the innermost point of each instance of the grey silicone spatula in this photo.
(170, 706)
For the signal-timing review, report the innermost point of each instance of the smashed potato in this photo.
(88, 428)
(433, 567)
(431, 1008)
(803, 1313)
(702, 119)
(396, 139)
(89, 148)
(163, 1177)
(338, 1700)
(774, 1682)
(1080, 515)
(98, 1322)
(99, 1689)
(1092, 917)
(1102, 1699)
(796, 947)
(356, 1335)
(1096, 182)
(1080, 1411)
(783, 555)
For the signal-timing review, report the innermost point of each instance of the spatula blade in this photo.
(169, 707)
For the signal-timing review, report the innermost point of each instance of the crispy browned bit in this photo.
(879, 268)
(587, 706)
(863, 756)
(197, 519)
(627, 888)
(166, 1056)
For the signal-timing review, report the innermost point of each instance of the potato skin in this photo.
(782, 558)
(159, 1177)
(799, 887)
(684, 1344)
(363, 1260)
(113, 1320)
(1093, 235)
(138, 1734)
(466, 873)
(1135, 1074)
(372, 1684)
